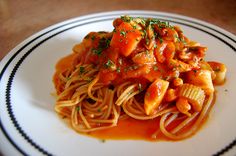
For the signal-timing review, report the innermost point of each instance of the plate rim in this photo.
(14, 52)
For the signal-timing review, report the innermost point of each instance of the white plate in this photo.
(29, 125)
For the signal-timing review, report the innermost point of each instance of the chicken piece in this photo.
(154, 95)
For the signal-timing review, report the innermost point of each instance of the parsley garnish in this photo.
(110, 64)
(81, 69)
(103, 44)
(155, 45)
(126, 18)
(118, 70)
(97, 51)
(93, 37)
(155, 68)
(160, 39)
(161, 24)
(123, 33)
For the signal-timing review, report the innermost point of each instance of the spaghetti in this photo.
(144, 69)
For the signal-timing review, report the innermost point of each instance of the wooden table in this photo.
(20, 19)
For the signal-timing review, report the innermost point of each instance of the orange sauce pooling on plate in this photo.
(129, 129)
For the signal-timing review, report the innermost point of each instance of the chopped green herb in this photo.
(184, 42)
(109, 63)
(126, 18)
(134, 26)
(108, 41)
(118, 70)
(81, 69)
(155, 45)
(161, 24)
(147, 41)
(155, 68)
(180, 39)
(123, 33)
(99, 110)
(93, 37)
(177, 37)
(97, 51)
(144, 33)
(103, 44)
(78, 108)
(160, 39)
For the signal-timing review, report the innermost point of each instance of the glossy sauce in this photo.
(126, 129)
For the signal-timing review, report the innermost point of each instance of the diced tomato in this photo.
(125, 38)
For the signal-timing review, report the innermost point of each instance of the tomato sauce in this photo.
(157, 58)
(126, 129)
(130, 129)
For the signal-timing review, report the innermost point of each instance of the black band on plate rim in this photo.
(11, 77)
